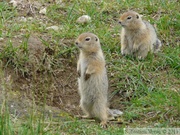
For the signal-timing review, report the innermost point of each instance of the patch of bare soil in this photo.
(58, 89)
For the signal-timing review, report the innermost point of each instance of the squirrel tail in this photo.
(156, 46)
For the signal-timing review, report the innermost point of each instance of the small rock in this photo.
(56, 28)
(115, 112)
(1, 39)
(14, 3)
(58, 1)
(43, 11)
(23, 19)
(30, 18)
(84, 19)
(37, 5)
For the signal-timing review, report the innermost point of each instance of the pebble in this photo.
(14, 3)
(84, 19)
(23, 19)
(1, 39)
(43, 11)
(56, 28)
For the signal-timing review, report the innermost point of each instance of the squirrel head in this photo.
(88, 42)
(130, 20)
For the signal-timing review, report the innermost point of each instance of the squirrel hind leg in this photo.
(157, 45)
(86, 108)
(100, 111)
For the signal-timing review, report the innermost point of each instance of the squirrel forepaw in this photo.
(135, 47)
(87, 76)
(79, 74)
(125, 52)
(140, 58)
(122, 52)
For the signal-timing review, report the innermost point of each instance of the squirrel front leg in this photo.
(89, 70)
(124, 44)
(79, 68)
(135, 47)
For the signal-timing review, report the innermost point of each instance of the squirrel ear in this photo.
(137, 16)
(96, 38)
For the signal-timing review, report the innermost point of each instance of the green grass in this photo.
(148, 90)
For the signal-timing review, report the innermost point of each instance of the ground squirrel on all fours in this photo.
(93, 80)
(138, 37)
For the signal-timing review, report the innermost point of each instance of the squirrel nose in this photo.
(76, 43)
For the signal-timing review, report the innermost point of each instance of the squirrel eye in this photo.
(96, 38)
(129, 17)
(88, 38)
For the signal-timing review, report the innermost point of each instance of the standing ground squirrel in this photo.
(92, 81)
(138, 37)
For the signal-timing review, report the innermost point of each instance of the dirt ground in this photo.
(59, 90)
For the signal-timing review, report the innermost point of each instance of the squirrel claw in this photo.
(86, 116)
(79, 74)
(103, 124)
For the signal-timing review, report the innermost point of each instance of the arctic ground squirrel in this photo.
(138, 37)
(93, 80)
